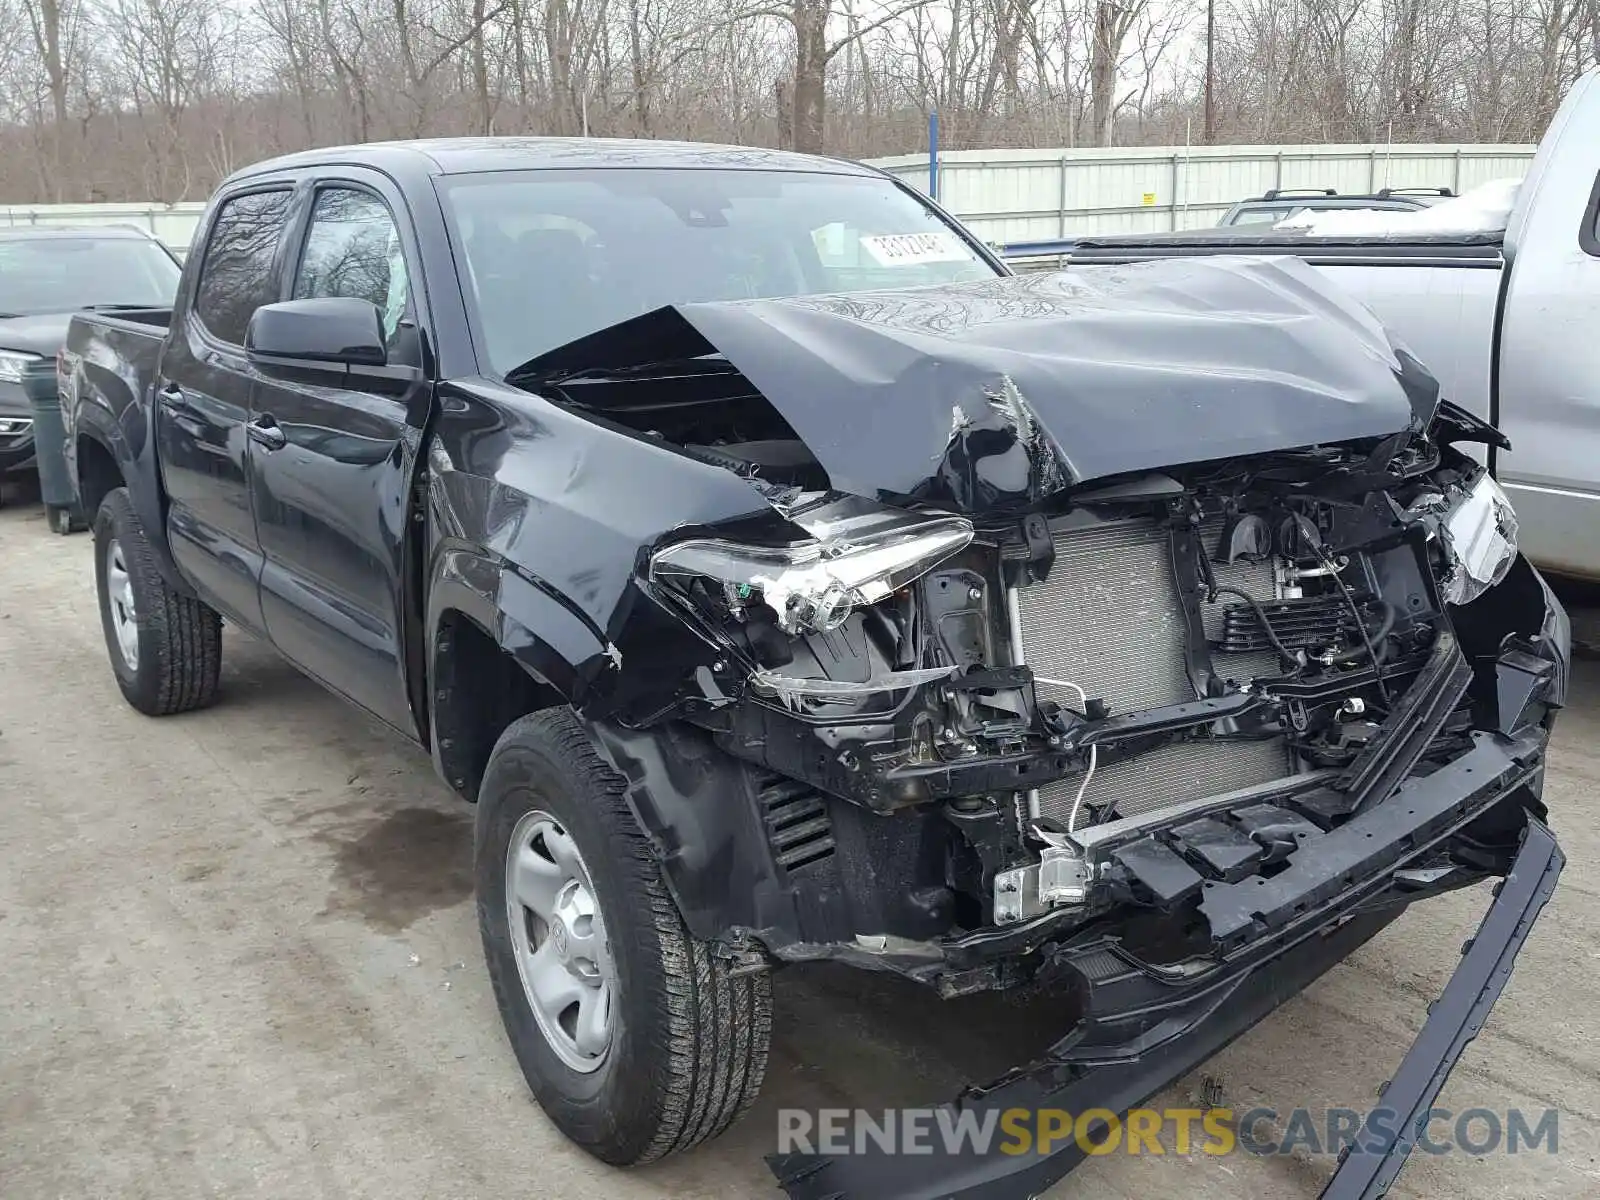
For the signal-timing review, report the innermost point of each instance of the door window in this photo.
(353, 249)
(236, 277)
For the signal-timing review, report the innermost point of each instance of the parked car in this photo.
(1281, 203)
(47, 274)
(1505, 318)
(1145, 633)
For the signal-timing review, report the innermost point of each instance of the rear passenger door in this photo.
(203, 402)
(332, 488)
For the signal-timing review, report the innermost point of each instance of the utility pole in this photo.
(1211, 73)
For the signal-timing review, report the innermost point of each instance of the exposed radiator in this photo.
(1108, 619)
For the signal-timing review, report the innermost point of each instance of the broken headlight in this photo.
(856, 555)
(13, 366)
(1478, 531)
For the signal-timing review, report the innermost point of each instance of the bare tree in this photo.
(141, 99)
(1112, 21)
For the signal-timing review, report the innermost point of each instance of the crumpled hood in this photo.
(991, 394)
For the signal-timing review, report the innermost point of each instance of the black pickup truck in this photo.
(785, 581)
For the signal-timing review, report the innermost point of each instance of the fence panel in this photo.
(1023, 195)
(174, 224)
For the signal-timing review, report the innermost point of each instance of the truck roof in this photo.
(456, 156)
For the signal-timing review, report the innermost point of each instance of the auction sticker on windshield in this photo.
(908, 249)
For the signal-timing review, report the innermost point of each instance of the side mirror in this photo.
(328, 331)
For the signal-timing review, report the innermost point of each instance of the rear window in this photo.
(64, 274)
(1260, 216)
(553, 255)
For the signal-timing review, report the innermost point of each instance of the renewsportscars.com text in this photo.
(1213, 1131)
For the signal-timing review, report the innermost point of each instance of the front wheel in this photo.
(637, 1039)
(165, 647)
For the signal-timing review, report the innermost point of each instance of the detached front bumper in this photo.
(1189, 1028)
(1359, 849)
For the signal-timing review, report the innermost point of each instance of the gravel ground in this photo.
(240, 959)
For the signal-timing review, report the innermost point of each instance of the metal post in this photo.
(1211, 73)
(1455, 185)
(1172, 203)
(1061, 201)
(1372, 170)
(933, 154)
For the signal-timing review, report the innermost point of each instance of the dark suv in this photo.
(1280, 203)
(45, 276)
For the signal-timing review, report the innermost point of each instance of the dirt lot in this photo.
(240, 959)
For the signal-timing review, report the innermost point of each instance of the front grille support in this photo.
(1187, 555)
(1019, 658)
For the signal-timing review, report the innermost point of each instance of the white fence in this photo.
(174, 224)
(1026, 195)
(1023, 195)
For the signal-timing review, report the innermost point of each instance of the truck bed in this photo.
(111, 360)
(143, 321)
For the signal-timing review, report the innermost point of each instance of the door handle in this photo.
(176, 407)
(266, 433)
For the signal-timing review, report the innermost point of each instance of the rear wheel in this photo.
(165, 647)
(64, 519)
(636, 1038)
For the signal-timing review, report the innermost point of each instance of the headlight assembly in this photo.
(855, 556)
(1478, 531)
(13, 366)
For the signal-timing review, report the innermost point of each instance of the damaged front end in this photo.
(1167, 697)
(1173, 738)
(1175, 750)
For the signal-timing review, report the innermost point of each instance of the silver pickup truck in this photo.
(1508, 320)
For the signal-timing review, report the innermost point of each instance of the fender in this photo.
(526, 619)
(537, 521)
(539, 654)
(131, 443)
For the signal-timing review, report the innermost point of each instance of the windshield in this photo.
(64, 274)
(553, 255)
